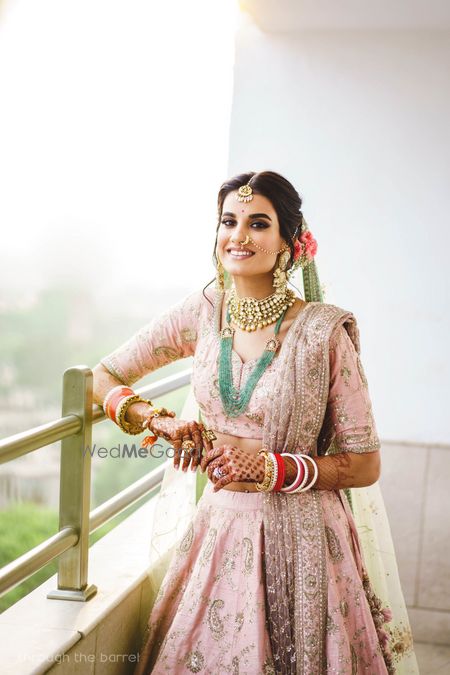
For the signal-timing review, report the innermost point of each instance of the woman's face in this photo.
(258, 220)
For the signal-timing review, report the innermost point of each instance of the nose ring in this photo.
(246, 240)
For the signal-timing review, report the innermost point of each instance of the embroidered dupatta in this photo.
(294, 533)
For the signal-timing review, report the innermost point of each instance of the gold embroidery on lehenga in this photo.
(354, 661)
(248, 555)
(238, 621)
(331, 625)
(194, 661)
(227, 567)
(210, 540)
(186, 541)
(343, 606)
(334, 545)
(215, 623)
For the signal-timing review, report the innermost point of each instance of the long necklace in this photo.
(234, 400)
(251, 313)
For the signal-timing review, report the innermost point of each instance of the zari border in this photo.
(295, 541)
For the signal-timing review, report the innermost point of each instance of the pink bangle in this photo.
(302, 474)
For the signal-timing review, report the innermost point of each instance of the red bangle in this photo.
(281, 472)
(113, 402)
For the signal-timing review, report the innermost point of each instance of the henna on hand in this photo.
(347, 470)
(236, 464)
(176, 431)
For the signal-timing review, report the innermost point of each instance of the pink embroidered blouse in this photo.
(191, 328)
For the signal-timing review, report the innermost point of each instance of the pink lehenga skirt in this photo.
(210, 613)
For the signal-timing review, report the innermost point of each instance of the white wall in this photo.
(359, 122)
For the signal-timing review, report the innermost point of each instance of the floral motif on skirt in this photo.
(210, 612)
(209, 615)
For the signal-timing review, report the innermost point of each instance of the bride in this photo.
(270, 574)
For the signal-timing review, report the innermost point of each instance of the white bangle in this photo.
(316, 473)
(298, 463)
(300, 488)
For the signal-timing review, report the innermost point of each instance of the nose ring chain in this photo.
(248, 239)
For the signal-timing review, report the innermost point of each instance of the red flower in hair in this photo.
(297, 249)
(309, 243)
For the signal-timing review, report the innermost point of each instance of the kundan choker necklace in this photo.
(250, 313)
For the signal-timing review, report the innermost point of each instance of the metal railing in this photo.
(74, 429)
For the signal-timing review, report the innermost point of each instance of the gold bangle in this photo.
(127, 427)
(121, 409)
(268, 472)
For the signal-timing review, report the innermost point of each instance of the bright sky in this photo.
(114, 125)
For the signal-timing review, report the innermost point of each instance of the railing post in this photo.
(75, 487)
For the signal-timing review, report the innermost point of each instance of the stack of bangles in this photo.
(116, 404)
(275, 472)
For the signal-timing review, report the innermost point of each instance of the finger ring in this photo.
(209, 435)
(188, 445)
(218, 473)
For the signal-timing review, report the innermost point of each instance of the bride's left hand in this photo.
(235, 464)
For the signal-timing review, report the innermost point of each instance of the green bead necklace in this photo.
(234, 400)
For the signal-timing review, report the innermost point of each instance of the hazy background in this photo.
(118, 123)
(114, 126)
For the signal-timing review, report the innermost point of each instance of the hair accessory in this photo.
(305, 247)
(245, 193)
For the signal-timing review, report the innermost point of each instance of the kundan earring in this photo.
(280, 274)
(220, 276)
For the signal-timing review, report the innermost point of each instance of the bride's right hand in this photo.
(176, 431)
